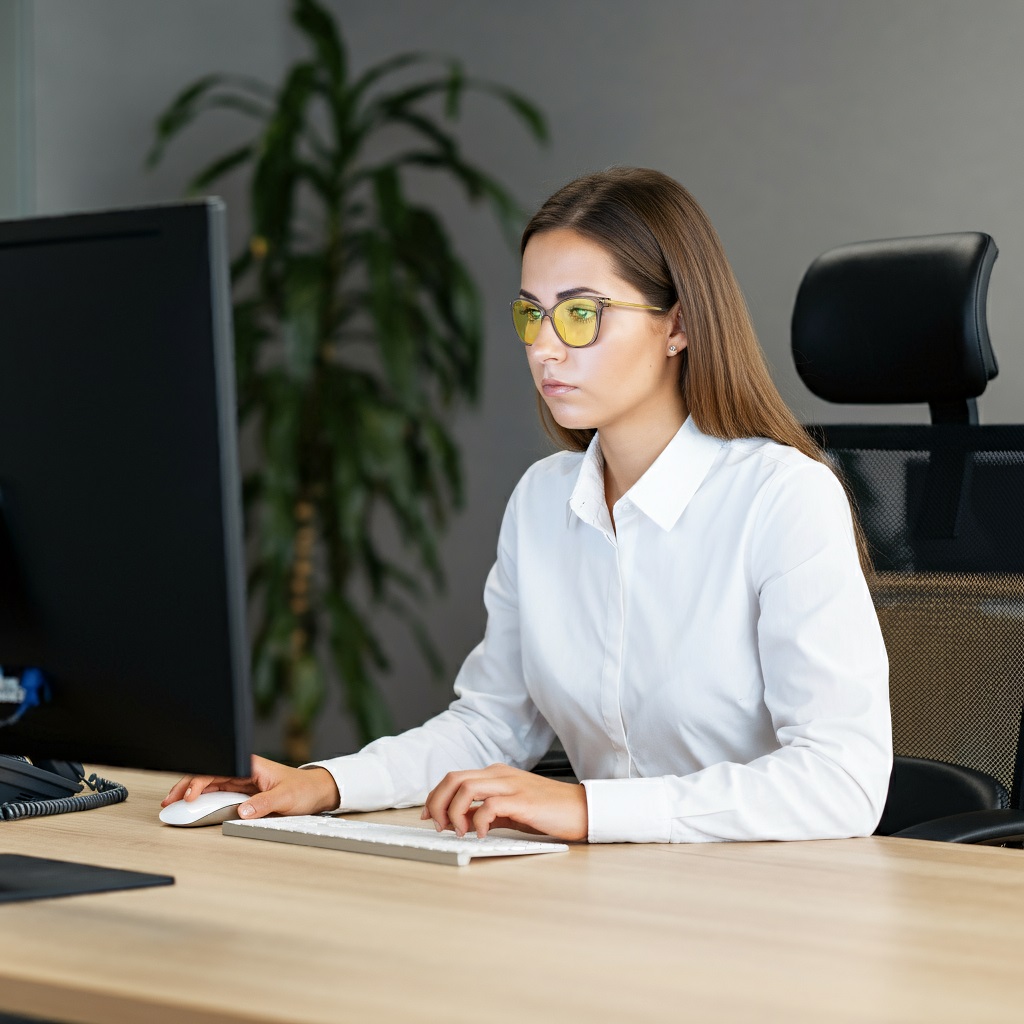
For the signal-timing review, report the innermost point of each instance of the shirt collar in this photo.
(663, 492)
(587, 498)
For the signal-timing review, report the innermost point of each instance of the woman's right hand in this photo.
(275, 789)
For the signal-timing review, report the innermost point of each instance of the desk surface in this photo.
(865, 930)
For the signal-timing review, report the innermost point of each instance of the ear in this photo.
(676, 339)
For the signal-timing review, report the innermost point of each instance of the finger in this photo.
(224, 785)
(511, 821)
(460, 810)
(189, 788)
(440, 796)
(217, 784)
(484, 816)
(459, 807)
(177, 791)
(262, 804)
(201, 784)
(282, 798)
(501, 812)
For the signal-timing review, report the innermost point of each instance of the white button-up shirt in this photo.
(712, 664)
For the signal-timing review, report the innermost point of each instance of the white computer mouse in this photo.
(206, 809)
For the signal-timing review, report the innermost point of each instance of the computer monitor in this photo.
(121, 553)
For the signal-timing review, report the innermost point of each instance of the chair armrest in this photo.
(991, 827)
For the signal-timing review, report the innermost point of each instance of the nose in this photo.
(547, 346)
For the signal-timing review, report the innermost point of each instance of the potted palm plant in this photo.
(357, 329)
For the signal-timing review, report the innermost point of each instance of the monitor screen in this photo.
(122, 591)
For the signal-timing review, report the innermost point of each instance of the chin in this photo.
(569, 422)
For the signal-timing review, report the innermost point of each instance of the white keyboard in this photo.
(386, 840)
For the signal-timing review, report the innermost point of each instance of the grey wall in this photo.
(16, 78)
(9, 106)
(105, 69)
(799, 125)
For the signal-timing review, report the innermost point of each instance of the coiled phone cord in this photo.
(104, 793)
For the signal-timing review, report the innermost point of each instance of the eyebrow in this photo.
(561, 295)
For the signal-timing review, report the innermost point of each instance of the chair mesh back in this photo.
(941, 508)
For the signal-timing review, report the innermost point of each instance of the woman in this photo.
(679, 597)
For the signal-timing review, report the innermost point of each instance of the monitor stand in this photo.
(37, 878)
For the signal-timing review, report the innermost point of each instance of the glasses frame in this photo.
(602, 302)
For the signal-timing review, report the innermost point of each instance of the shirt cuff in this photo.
(628, 811)
(363, 782)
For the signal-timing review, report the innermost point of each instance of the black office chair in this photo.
(903, 321)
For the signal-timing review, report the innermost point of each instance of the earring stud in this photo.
(671, 348)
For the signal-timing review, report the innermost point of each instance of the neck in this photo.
(629, 452)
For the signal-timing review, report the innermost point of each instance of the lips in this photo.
(553, 387)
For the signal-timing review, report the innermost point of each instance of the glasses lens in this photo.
(576, 321)
(527, 318)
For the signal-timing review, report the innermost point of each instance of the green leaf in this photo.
(397, 343)
(353, 646)
(447, 148)
(394, 576)
(281, 455)
(527, 112)
(319, 27)
(306, 689)
(453, 93)
(477, 185)
(267, 683)
(386, 67)
(445, 455)
(417, 532)
(196, 100)
(391, 205)
(180, 111)
(278, 167)
(451, 353)
(397, 103)
(302, 309)
(428, 650)
(270, 661)
(221, 166)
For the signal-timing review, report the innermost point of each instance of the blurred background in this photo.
(799, 125)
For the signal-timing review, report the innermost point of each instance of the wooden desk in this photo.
(865, 931)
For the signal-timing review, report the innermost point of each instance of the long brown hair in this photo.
(664, 245)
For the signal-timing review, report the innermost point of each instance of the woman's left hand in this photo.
(507, 797)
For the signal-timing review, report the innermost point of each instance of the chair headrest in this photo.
(897, 320)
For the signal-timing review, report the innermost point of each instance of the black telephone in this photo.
(32, 789)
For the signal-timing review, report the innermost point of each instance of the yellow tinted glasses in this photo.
(576, 320)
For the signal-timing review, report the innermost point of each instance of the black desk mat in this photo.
(35, 878)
